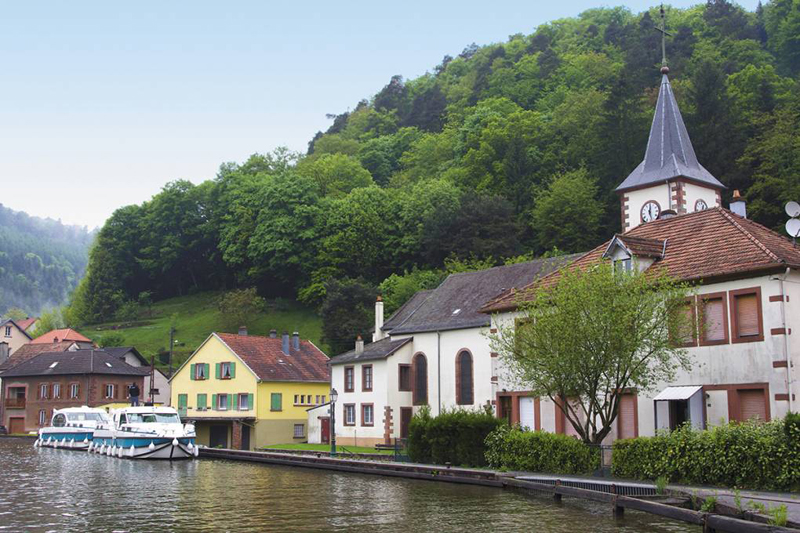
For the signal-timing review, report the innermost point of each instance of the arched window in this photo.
(464, 383)
(419, 367)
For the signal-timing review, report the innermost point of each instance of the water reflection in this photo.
(64, 490)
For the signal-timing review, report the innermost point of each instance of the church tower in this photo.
(669, 180)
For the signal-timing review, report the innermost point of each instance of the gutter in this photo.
(786, 343)
(439, 369)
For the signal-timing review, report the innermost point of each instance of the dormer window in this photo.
(623, 265)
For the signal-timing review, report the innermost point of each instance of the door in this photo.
(218, 437)
(16, 424)
(325, 428)
(527, 416)
(626, 419)
(505, 408)
(752, 404)
(245, 437)
(405, 420)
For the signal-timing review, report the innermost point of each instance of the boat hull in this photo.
(68, 438)
(132, 447)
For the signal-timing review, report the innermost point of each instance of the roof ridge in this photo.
(750, 236)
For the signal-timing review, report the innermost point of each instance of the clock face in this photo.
(650, 211)
(700, 205)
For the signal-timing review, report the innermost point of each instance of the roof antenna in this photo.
(664, 33)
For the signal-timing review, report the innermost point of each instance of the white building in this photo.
(434, 351)
(748, 296)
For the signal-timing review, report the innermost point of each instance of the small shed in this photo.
(319, 424)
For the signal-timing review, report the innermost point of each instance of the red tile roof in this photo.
(58, 335)
(265, 357)
(29, 351)
(700, 246)
(26, 323)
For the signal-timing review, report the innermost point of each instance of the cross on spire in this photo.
(664, 33)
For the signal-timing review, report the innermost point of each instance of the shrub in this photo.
(750, 455)
(540, 451)
(456, 437)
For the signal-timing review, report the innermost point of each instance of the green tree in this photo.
(238, 307)
(16, 314)
(111, 340)
(335, 174)
(567, 214)
(48, 321)
(590, 336)
(347, 312)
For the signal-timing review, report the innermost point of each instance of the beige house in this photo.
(13, 337)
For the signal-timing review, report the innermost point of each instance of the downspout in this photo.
(439, 370)
(786, 346)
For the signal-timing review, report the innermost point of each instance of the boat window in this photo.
(59, 420)
(92, 417)
(168, 418)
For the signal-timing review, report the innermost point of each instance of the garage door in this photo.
(753, 404)
(527, 416)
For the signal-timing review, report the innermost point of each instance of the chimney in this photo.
(243, 331)
(738, 206)
(359, 345)
(296, 340)
(378, 334)
(273, 334)
(285, 339)
(4, 352)
(55, 340)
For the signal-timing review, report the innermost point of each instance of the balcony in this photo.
(15, 403)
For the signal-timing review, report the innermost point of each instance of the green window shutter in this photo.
(207, 373)
(183, 399)
(201, 401)
(192, 372)
(276, 401)
(231, 402)
(214, 402)
(233, 370)
(250, 405)
(218, 370)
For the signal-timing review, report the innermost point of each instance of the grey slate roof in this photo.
(406, 310)
(669, 152)
(120, 351)
(77, 362)
(375, 350)
(456, 303)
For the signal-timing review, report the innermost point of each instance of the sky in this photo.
(102, 103)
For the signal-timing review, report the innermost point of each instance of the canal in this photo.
(63, 490)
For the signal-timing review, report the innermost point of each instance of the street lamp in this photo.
(334, 397)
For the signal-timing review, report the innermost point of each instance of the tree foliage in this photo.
(592, 335)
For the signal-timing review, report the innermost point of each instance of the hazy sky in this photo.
(101, 104)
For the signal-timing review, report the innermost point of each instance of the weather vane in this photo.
(664, 33)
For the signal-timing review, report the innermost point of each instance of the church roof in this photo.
(669, 153)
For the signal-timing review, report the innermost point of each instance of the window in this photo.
(303, 399)
(419, 369)
(622, 266)
(714, 319)
(684, 327)
(746, 321)
(299, 431)
(323, 399)
(366, 378)
(367, 414)
(226, 370)
(349, 379)
(276, 402)
(349, 414)
(464, 381)
(627, 417)
(317, 403)
(297, 399)
(404, 378)
(56, 391)
(110, 390)
(202, 402)
(59, 421)
(8, 331)
(43, 389)
(74, 390)
(222, 402)
(42, 417)
(244, 402)
(200, 371)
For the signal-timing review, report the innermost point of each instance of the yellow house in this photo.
(245, 391)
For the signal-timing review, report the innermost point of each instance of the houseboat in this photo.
(148, 432)
(72, 428)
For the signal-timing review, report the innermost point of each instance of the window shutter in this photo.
(231, 402)
(250, 405)
(627, 416)
(201, 401)
(192, 373)
(713, 313)
(752, 405)
(214, 402)
(747, 315)
(207, 373)
(233, 370)
(218, 370)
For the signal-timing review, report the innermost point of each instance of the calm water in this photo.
(63, 490)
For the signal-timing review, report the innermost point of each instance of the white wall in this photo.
(639, 197)
(314, 434)
(693, 192)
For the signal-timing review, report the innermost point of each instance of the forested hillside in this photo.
(41, 261)
(505, 149)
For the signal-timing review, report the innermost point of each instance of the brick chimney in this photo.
(738, 206)
(285, 343)
(296, 340)
(378, 334)
(243, 331)
(359, 345)
(4, 352)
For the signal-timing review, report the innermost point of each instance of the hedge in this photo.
(745, 455)
(540, 451)
(456, 437)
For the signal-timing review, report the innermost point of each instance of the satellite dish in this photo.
(793, 209)
(793, 227)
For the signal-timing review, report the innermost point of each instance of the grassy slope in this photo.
(197, 317)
